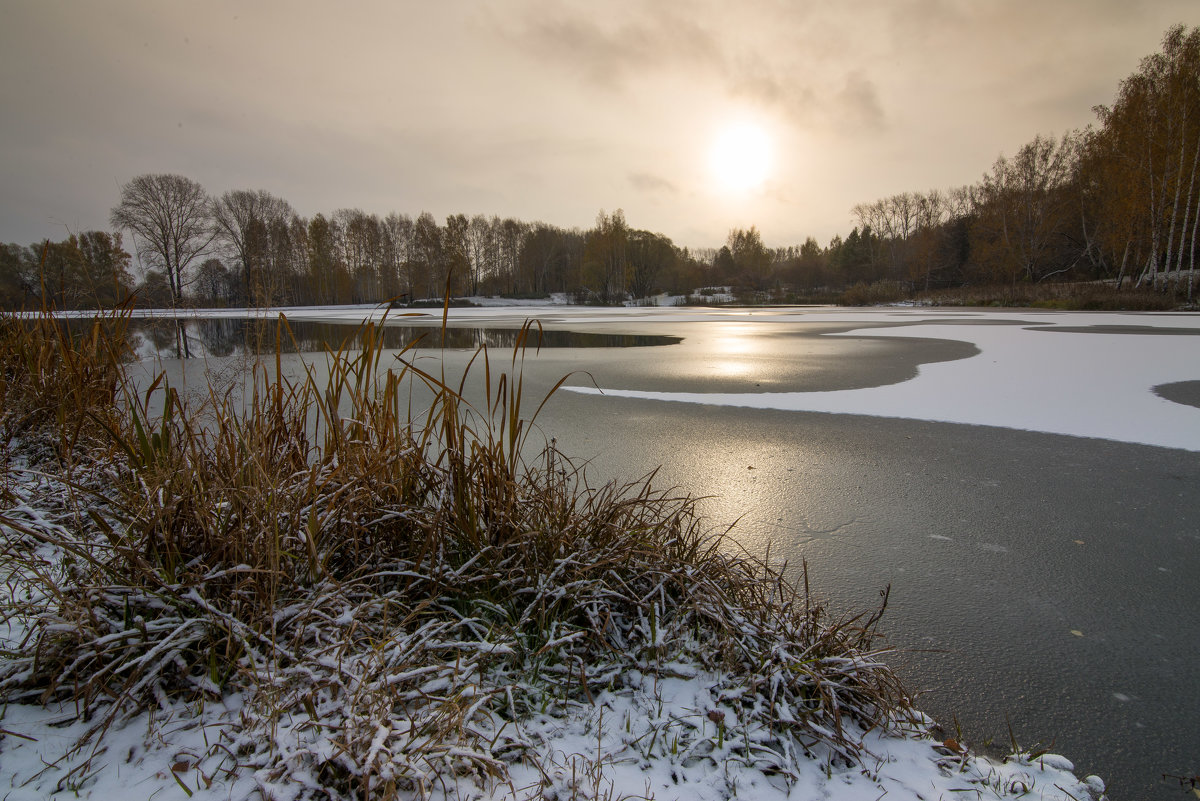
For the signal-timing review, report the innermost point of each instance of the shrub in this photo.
(1088, 296)
(879, 292)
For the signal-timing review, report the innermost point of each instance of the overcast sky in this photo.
(541, 110)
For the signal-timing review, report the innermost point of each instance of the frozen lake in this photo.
(1027, 482)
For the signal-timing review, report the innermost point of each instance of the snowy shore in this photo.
(604, 750)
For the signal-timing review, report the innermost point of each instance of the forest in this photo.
(1114, 205)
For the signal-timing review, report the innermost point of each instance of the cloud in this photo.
(652, 184)
(607, 52)
(858, 103)
(776, 88)
(543, 108)
(784, 61)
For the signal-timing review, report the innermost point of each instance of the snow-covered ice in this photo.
(1029, 376)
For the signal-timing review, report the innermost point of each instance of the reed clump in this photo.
(58, 382)
(393, 592)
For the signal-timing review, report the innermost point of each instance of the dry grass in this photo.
(1086, 296)
(55, 384)
(879, 292)
(392, 592)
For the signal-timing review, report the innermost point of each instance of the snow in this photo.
(625, 744)
(1025, 376)
(1029, 377)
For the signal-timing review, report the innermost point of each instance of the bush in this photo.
(525, 295)
(862, 294)
(435, 303)
(1065, 296)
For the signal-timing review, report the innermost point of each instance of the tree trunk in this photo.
(1124, 263)
(1178, 188)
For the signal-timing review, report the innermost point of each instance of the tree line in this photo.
(1117, 202)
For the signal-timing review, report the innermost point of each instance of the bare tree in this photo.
(925, 241)
(169, 218)
(650, 256)
(398, 248)
(606, 258)
(428, 258)
(512, 239)
(480, 244)
(362, 252)
(457, 252)
(242, 220)
(215, 285)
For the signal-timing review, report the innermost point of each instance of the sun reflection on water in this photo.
(730, 369)
(731, 342)
(734, 339)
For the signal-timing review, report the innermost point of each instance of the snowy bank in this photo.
(656, 739)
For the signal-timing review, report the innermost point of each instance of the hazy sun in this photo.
(741, 157)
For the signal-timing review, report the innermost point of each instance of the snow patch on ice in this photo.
(1092, 384)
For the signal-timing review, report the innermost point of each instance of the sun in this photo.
(740, 157)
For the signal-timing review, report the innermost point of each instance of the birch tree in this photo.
(456, 253)
(481, 250)
(396, 232)
(1145, 161)
(1024, 210)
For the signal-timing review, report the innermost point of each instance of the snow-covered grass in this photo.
(652, 739)
(219, 603)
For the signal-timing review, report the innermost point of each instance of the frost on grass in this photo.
(319, 597)
(406, 677)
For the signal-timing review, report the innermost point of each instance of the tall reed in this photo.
(57, 382)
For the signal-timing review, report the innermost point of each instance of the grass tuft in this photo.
(394, 593)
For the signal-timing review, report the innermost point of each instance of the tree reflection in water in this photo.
(229, 337)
